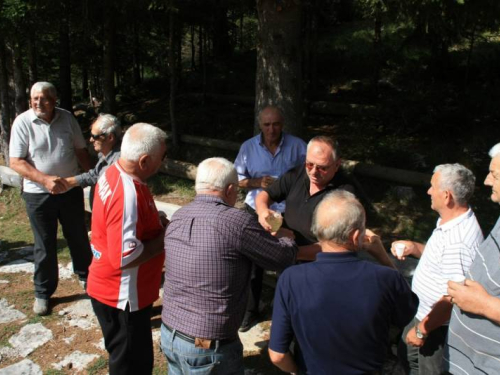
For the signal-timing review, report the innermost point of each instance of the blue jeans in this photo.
(184, 358)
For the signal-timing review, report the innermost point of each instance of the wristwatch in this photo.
(419, 333)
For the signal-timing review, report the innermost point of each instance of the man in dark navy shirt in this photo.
(339, 308)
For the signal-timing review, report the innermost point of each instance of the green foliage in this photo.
(96, 366)
(165, 184)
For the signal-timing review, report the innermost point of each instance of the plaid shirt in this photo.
(210, 247)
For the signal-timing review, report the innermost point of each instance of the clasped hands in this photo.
(56, 184)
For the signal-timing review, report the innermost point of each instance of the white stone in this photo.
(9, 313)
(66, 272)
(17, 266)
(4, 281)
(81, 314)
(100, 345)
(69, 340)
(250, 339)
(25, 367)
(30, 337)
(79, 361)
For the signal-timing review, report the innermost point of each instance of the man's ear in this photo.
(355, 237)
(144, 160)
(230, 189)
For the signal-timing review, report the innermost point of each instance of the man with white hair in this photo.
(105, 136)
(473, 345)
(449, 252)
(339, 308)
(210, 247)
(127, 244)
(46, 145)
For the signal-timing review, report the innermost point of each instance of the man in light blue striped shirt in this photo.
(449, 252)
(473, 345)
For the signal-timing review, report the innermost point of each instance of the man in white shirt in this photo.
(449, 252)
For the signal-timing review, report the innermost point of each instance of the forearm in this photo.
(262, 202)
(418, 249)
(152, 248)
(439, 315)
(284, 361)
(491, 309)
(383, 258)
(27, 171)
(250, 183)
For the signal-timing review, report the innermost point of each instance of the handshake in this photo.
(57, 185)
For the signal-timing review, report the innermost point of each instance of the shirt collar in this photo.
(261, 140)
(111, 154)
(452, 223)
(208, 198)
(347, 256)
(37, 120)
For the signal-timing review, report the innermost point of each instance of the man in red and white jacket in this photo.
(127, 247)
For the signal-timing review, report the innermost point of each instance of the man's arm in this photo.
(413, 248)
(83, 158)
(53, 184)
(256, 183)
(473, 298)
(284, 361)
(374, 246)
(152, 248)
(439, 315)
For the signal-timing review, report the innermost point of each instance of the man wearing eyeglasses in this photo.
(105, 136)
(304, 187)
(47, 145)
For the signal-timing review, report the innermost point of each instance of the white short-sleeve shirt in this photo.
(50, 148)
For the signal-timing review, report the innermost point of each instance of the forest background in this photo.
(405, 84)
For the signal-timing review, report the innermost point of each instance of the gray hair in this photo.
(45, 87)
(215, 174)
(329, 141)
(495, 151)
(457, 179)
(142, 139)
(277, 109)
(337, 215)
(109, 124)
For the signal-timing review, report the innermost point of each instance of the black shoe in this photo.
(249, 321)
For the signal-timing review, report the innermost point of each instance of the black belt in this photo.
(191, 339)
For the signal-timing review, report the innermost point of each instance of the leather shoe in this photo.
(41, 306)
(249, 321)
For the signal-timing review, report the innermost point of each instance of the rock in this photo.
(30, 337)
(25, 367)
(8, 313)
(17, 266)
(76, 361)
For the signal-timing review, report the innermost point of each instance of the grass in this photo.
(97, 366)
(165, 184)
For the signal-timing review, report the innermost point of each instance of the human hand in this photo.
(55, 184)
(285, 232)
(413, 340)
(163, 219)
(372, 242)
(266, 181)
(263, 215)
(470, 297)
(407, 250)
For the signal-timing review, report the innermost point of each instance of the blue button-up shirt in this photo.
(255, 160)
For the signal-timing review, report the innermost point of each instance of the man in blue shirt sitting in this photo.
(339, 308)
(261, 160)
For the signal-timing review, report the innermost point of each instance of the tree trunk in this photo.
(4, 105)
(66, 101)
(222, 45)
(85, 81)
(21, 101)
(279, 61)
(193, 50)
(32, 58)
(136, 56)
(173, 72)
(109, 105)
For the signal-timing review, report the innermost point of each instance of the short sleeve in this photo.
(78, 140)
(240, 163)
(19, 140)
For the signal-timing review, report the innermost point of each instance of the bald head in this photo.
(337, 217)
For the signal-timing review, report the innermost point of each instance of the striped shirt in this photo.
(449, 251)
(473, 345)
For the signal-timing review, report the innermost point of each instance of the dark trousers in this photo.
(127, 337)
(44, 211)
(427, 360)
(256, 279)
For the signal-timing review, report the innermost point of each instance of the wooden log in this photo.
(210, 142)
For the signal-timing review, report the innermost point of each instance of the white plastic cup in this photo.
(400, 249)
(459, 279)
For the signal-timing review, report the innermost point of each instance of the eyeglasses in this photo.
(96, 136)
(323, 169)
